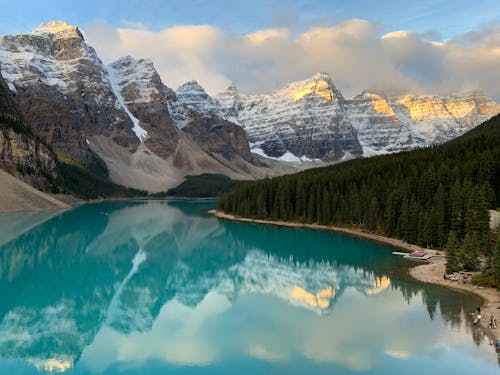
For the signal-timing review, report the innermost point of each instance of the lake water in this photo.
(155, 287)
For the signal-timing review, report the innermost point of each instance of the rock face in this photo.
(392, 124)
(307, 118)
(311, 119)
(123, 112)
(141, 92)
(21, 153)
(63, 89)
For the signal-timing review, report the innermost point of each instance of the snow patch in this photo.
(141, 133)
(54, 27)
(288, 157)
(11, 87)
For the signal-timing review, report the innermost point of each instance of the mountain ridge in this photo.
(151, 137)
(122, 112)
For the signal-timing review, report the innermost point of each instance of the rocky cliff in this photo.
(63, 89)
(308, 119)
(311, 119)
(123, 112)
(22, 154)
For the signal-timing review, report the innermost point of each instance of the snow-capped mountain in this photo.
(311, 119)
(151, 137)
(391, 124)
(307, 119)
(123, 112)
(62, 88)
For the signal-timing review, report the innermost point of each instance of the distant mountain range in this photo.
(150, 136)
(311, 119)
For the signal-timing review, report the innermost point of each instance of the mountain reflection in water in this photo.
(153, 280)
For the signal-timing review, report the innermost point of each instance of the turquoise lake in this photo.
(156, 287)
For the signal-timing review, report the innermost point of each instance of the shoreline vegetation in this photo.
(430, 271)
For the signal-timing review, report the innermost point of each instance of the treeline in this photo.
(206, 185)
(419, 196)
(88, 182)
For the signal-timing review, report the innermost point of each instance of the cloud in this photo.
(357, 53)
(212, 333)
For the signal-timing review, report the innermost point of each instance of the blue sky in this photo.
(424, 46)
(445, 17)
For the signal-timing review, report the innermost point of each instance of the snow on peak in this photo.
(194, 96)
(190, 86)
(116, 82)
(127, 65)
(125, 60)
(59, 28)
(232, 88)
(321, 76)
(320, 84)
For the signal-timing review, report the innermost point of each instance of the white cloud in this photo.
(356, 53)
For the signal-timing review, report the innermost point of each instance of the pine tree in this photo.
(300, 206)
(470, 252)
(440, 215)
(456, 209)
(496, 261)
(452, 254)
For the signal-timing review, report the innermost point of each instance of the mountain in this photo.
(305, 119)
(418, 196)
(311, 119)
(391, 124)
(22, 153)
(120, 121)
(121, 112)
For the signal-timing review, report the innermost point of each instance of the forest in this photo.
(435, 197)
(205, 185)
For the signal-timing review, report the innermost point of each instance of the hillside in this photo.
(19, 196)
(418, 196)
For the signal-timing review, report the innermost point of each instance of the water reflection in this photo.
(140, 281)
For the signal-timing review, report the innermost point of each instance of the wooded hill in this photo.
(418, 196)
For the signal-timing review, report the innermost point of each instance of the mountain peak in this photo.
(191, 85)
(190, 88)
(321, 76)
(232, 88)
(320, 84)
(59, 28)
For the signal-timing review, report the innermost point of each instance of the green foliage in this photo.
(470, 252)
(418, 196)
(84, 183)
(486, 279)
(496, 261)
(206, 186)
(452, 254)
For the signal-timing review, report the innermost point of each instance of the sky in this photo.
(427, 46)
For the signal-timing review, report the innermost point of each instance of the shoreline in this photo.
(351, 232)
(431, 271)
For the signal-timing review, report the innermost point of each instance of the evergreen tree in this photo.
(452, 254)
(496, 261)
(456, 209)
(440, 216)
(419, 196)
(470, 252)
